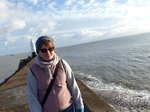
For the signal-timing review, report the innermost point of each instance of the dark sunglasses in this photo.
(45, 50)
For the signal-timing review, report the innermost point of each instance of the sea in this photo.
(117, 69)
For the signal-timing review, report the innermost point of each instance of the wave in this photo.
(122, 98)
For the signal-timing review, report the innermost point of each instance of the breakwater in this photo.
(13, 94)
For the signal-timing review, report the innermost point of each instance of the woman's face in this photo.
(46, 53)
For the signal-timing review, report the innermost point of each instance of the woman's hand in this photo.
(80, 110)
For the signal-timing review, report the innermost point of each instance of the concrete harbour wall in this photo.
(13, 95)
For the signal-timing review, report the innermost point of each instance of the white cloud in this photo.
(89, 34)
(44, 31)
(11, 39)
(124, 26)
(33, 1)
(4, 5)
(5, 43)
(45, 27)
(81, 2)
(11, 17)
(72, 19)
(3, 17)
(67, 35)
(77, 37)
(133, 11)
(32, 30)
(17, 24)
(51, 25)
(69, 2)
(13, 26)
(51, 6)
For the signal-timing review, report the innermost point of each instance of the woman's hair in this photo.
(48, 41)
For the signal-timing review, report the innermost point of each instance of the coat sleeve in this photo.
(73, 87)
(34, 104)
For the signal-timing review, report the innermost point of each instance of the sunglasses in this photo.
(45, 50)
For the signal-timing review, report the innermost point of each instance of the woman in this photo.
(65, 95)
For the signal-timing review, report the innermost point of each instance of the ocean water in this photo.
(116, 69)
(9, 64)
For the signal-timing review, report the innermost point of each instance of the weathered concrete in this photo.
(13, 95)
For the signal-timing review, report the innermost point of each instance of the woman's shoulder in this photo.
(63, 60)
(35, 66)
(65, 64)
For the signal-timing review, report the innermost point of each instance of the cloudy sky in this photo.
(69, 21)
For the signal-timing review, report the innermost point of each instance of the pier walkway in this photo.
(13, 95)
